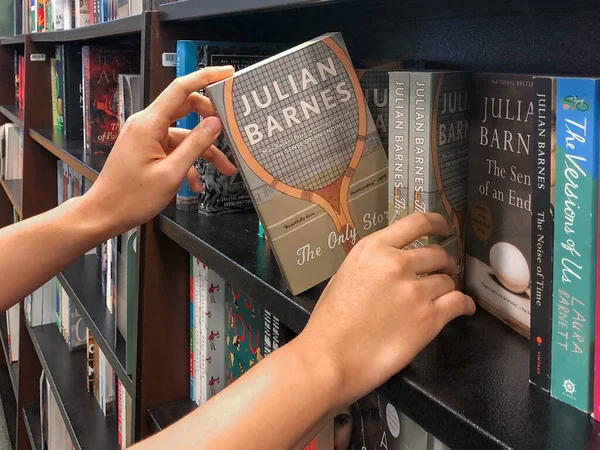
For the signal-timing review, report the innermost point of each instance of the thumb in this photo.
(194, 145)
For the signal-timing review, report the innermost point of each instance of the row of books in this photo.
(54, 431)
(229, 332)
(32, 16)
(11, 152)
(19, 80)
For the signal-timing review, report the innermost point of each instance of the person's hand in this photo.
(150, 159)
(377, 313)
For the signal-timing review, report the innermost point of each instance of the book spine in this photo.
(192, 294)
(60, 87)
(186, 200)
(203, 330)
(59, 17)
(215, 329)
(197, 354)
(398, 139)
(119, 414)
(54, 92)
(596, 405)
(73, 92)
(575, 241)
(87, 124)
(68, 14)
(542, 231)
(419, 144)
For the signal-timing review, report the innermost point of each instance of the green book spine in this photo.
(398, 139)
(575, 240)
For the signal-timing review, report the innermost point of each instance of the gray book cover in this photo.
(438, 154)
(310, 155)
(398, 138)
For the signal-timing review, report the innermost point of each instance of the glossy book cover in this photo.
(575, 240)
(310, 154)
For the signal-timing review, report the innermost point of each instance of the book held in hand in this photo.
(310, 154)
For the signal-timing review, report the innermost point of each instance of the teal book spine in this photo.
(575, 239)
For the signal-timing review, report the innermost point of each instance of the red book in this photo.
(101, 69)
(91, 2)
(21, 82)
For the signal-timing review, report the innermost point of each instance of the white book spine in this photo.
(203, 331)
(197, 351)
(68, 14)
(215, 334)
(109, 278)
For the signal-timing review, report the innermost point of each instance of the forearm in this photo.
(34, 250)
(279, 404)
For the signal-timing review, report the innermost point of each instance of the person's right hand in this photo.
(378, 313)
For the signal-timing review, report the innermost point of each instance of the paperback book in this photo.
(310, 154)
(575, 241)
(500, 171)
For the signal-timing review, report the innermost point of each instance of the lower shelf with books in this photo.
(70, 152)
(458, 387)
(81, 281)
(14, 191)
(13, 367)
(31, 417)
(66, 372)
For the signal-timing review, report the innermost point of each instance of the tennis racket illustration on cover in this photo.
(449, 174)
(321, 155)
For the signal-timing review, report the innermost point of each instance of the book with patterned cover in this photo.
(310, 154)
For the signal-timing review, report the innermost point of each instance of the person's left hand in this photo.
(150, 159)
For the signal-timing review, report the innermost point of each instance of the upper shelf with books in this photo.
(127, 25)
(12, 113)
(66, 373)
(71, 152)
(458, 386)
(81, 281)
(194, 10)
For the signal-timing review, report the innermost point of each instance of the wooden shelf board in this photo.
(66, 373)
(12, 113)
(81, 281)
(32, 419)
(13, 40)
(14, 191)
(127, 25)
(71, 152)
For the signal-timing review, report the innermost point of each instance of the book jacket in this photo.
(499, 198)
(374, 83)
(543, 157)
(575, 241)
(438, 153)
(398, 139)
(101, 69)
(310, 155)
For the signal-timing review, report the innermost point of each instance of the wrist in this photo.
(92, 224)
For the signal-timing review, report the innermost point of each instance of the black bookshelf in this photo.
(13, 367)
(8, 403)
(163, 416)
(194, 10)
(469, 386)
(81, 281)
(14, 190)
(233, 249)
(127, 25)
(12, 113)
(66, 373)
(13, 40)
(69, 151)
(32, 419)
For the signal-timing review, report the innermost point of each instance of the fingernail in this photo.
(229, 67)
(212, 125)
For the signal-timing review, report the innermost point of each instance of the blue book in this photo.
(104, 10)
(575, 238)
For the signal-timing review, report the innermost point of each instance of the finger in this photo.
(437, 285)
(195, 144)
(176, 136)
(452, 305)
(412, 227)
(432, 258)
(219, 160)
(193, 180)
(175, 95)
(197, 103)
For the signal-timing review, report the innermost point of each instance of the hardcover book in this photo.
(543, 160)
(59, 86)
(101, 69)
(71, 69)
(82, 13)
(310, 154)
(221, 193)
(575, 241)
(375, 83)
(398, 140)
(499, 199)
(438, 153)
